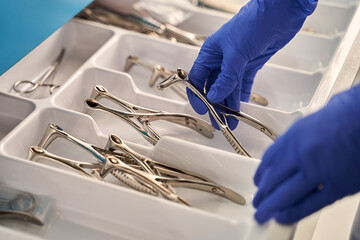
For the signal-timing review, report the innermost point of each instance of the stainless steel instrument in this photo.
(143, 24)
(144, 116)
(146, 175)
(158, 71)
(182, 76)
(27, 86)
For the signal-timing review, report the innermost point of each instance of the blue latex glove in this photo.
(230, 58)
(313, 164)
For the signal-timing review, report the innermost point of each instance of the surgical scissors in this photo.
(32, 86)
(182, 76)
(145, 116)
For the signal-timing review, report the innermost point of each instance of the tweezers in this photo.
(158, 71)
(144, 116)
(182, 76)
(149, 173)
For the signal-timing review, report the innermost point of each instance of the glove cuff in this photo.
(308, 5)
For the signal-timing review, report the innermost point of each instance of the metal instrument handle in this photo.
(113, 163)
(204, 186)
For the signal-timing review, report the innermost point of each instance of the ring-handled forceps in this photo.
(144, 116)
(140, 23)
(27, 86)
(174, 176)
(157, 70)
(53, 132)
(131, 164)
(182, 76)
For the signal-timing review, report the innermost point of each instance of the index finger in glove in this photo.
(198, 76)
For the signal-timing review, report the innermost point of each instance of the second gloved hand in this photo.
(230, 58)
(313, 164)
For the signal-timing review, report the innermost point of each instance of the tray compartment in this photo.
(272, 79)
(74, 94)
(330, 19)
(307, 53)
(94, 208)
(153, 51)
(286, 90)
(80, 40)
(234, 172)
(31, 131)
(12, 112)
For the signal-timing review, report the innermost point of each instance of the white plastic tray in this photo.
(96, 54)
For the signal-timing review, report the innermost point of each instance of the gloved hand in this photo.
(230, 58)
(313, 164)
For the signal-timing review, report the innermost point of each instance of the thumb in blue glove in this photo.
(230, 58)
(313, 164)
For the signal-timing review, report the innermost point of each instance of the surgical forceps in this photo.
(225, 6)
(158, 71)
(19, 85)
(176, 177)
(144, 116)
(153, 175)
(181, 76)
(134, 179)
(143, 24)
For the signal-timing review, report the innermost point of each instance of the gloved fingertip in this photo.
(213, 95)
(261, 217)
(257, 178)
(245, 97)
(214, 123)
(257, 200)
(283, 218)
(196, 103)
(232, 122)
(198, 75)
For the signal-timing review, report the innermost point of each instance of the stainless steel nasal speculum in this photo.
(182, 76)
(157, 70)
(133, 169)
(144, 116)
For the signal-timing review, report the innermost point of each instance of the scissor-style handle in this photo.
(19, 85)
(22, 86)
